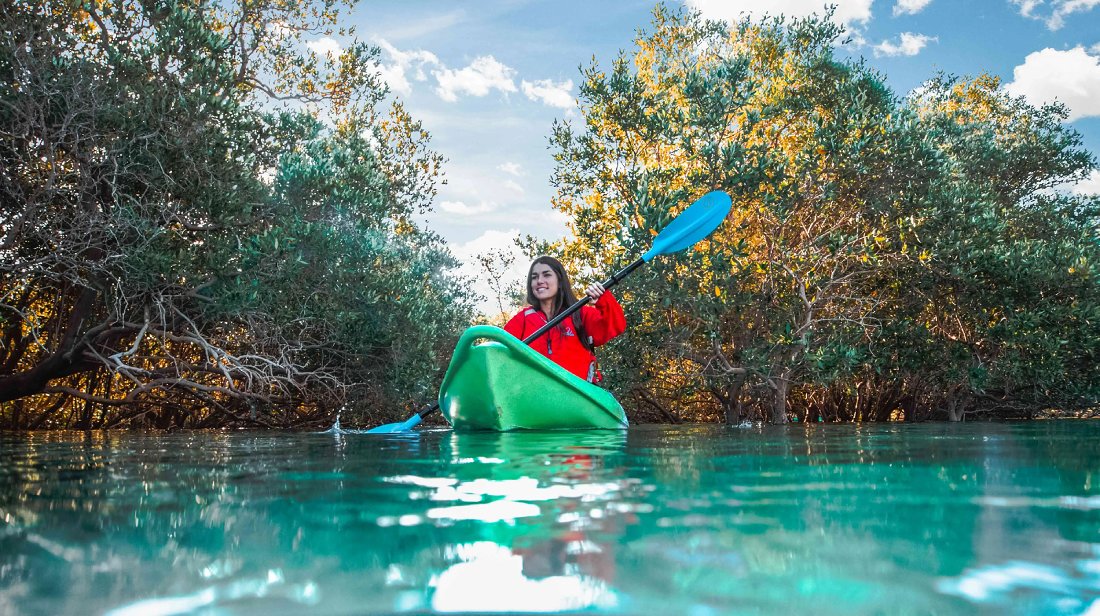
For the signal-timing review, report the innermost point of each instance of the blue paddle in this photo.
(694, 224)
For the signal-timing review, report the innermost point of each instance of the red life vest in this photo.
(601, 322)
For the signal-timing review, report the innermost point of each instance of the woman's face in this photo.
(544, 282)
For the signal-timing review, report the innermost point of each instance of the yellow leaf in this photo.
(718, 291)
(653, 232)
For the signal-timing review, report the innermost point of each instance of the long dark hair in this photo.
(564, 299)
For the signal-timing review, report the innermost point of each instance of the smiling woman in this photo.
(572, 343)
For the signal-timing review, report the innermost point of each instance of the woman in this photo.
(571, 343)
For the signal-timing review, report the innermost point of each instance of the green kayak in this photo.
(495, 382)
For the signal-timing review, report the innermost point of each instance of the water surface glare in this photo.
(828, 519)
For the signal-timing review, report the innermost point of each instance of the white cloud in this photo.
(1061, 10)
(491, 240)
(514, 186)
(461, 208)
(326, 46)
(1089, 185)
(1027, 6)
(279, 29)
(910, 7)
(1071, 77)
(478, 79)
(1095, 49)
(394, 78)
(848, 12)
(1066, 8)
(909, 44)
(554, 94)
(394, 74)
(494, 240)
(855, 39)
(918, 92)
(512, 169)
(555, 217)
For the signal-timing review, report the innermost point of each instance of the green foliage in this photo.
(906, 247)
(180, 248)
(1004, 303)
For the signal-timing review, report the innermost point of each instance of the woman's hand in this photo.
(595, 290)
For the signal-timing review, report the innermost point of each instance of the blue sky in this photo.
(488, 78)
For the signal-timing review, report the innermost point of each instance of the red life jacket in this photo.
(600, 322)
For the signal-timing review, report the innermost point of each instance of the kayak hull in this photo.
(495, 382)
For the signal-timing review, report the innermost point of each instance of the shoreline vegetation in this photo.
(207, 225)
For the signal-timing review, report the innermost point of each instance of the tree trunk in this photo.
(85, 421)
(779, 403)
(16, 414)
(956, 406)
(732, 402)
(908, 405)
(650, 399)
(64, 361)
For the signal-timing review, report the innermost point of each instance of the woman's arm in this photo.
(605, 319)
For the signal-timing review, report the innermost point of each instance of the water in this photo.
(931, 518)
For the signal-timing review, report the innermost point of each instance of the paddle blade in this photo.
(401, 426)
(695, 223)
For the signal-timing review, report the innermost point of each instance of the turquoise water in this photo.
(929, 518)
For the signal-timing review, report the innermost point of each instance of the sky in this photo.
(488, 78)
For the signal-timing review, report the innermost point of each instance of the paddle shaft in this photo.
(607, 284)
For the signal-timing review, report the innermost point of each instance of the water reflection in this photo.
(492, 578)
(545, 509)
(1070, 589)
(270, 586)
(703, 519)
